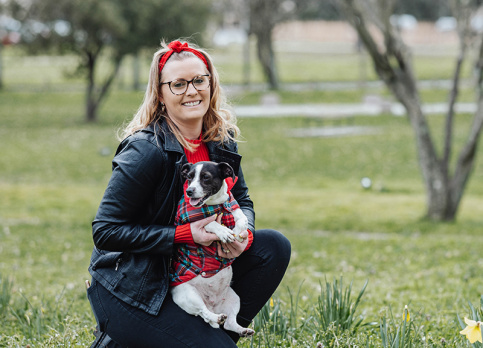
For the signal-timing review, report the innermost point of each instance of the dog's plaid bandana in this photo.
(191, 260)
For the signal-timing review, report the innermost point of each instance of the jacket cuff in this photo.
(183, 234)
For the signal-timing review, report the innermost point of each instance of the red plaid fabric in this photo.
(190, 260)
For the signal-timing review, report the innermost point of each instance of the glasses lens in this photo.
(201, 82)
(178, 86)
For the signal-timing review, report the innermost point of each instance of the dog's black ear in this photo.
(226, 170)
(185, 169)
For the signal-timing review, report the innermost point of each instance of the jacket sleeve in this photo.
(240, 192)
(137, 168)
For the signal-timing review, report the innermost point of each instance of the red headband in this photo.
(177, 47)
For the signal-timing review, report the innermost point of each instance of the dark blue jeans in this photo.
(256, 275)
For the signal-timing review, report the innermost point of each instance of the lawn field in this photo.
(54, 169)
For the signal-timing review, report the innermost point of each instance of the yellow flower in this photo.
(406, 315)
(271, 302)
(472, 330)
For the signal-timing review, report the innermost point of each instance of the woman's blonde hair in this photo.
(219, 124)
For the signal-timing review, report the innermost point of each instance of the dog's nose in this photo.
(189, 192)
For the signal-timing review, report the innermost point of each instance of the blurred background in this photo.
(259, 44)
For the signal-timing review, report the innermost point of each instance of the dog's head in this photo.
(205, 180)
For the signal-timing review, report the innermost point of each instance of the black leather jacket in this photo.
(134, 228)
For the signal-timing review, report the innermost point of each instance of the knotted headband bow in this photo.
(177, 47)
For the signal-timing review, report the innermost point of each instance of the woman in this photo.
(180, 120)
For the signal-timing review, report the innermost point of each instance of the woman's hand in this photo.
(233, 249)
(200, 235)
(226, 250)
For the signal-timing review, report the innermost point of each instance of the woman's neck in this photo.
(190, 131)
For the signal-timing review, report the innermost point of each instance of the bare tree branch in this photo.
(357, 20)
(448, 129)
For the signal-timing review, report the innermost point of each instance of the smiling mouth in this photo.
(198, 202)
(193, 103)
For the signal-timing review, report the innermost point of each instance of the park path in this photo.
(373, 105)
(326, 110)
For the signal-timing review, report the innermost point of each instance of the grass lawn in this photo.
(54, 169)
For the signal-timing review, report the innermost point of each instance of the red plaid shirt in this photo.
(191, 259)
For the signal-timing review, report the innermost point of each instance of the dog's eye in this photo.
(206, 178)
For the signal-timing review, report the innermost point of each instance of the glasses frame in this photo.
(188, 83)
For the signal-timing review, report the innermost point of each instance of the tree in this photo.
(264, 16)
(392, 61)
(107, 28)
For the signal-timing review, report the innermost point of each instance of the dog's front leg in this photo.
(224, 233)
(241, 224)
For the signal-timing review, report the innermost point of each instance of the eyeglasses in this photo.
(180, 86)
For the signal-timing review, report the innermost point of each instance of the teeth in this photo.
(192, 103)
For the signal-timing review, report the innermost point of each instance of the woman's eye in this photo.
(178, 84)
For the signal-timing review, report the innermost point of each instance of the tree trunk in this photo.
(91, 106)
(263, 18)
(434, 172)
(95, 95)
(267, 57)
(246, 62)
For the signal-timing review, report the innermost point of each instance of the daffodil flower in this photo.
(472, 330)
(271, 306)
(406, 315)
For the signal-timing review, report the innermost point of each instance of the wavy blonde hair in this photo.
(219, 124)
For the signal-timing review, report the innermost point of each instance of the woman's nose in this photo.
(191, 89)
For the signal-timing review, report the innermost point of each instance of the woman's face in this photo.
(189, 108)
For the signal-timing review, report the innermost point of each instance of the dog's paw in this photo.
(222, 319)
(247, 332)
(224, 233)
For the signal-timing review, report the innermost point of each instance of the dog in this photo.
(200, 285)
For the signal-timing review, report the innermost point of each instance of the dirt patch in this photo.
(425, 33)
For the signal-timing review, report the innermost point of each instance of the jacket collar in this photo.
(218, 151)
(164, 135)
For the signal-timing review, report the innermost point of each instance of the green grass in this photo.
(54, 168)
(53, 173)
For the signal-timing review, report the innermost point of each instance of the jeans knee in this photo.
(276, 244)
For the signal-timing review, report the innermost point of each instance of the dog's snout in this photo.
(189, 192)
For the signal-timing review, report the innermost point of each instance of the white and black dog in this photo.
(197, 288)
